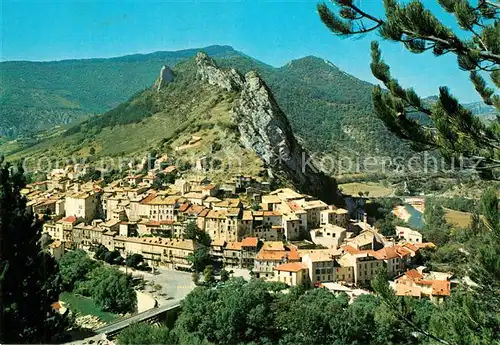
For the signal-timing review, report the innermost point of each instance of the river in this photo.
(416, 219)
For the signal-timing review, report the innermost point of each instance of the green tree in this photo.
(134, 260)
(201, 255)
(435, 229)
(29, 278)
(113, 257)
(195, 277)
(208, 274)
(74, 267)
(200, 258)
(224, 276)
(111, 289)
(144, 333)
(387, 226)
(100, 252)
(237, 313)
(489, 206)
(445, 125)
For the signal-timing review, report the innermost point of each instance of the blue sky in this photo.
(274, 32)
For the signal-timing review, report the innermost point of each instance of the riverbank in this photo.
(402, 213)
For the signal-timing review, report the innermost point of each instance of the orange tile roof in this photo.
(233, 245)
(405, 290)
(218, 243)
(424, 245)
(441, 288)
(392, 252)
(204, 212)
(250, 242)
(291, 267)
(386, 253)
(208, 187)
(294, 206)
(273, 245)
(414, 274)
(271, 213)
(351, 250)
(148, 199)
(184, 207)
(70, 219)
(277, 255)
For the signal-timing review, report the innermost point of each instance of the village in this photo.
(276, 235)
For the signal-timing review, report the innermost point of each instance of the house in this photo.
(415, 284)
(365, 264)
(270, 256)
(56, 249)
(408, 234)
(224, 224)
(396, 259)
(134, 180)
(268, 225)
(292, 273)
(210, 201)
(195, 198)
(157, 251)
(51, 229)
(163, 228)
(321, 267)
(313, 209)
(63, 230)
(367, 240)
(161, 207)
(337, 216)
(291, 227)
(82, 205)
(329, 236)
(249, 249)
(232, 254)
(217, 250)
(209, 190)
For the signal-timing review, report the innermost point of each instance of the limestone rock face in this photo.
(207, 70)
(166, 76)
(264, 129)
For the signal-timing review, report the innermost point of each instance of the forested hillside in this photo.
(39, 95)
(328, 109)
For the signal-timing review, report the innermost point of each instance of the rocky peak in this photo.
(264, 129)
(207, 70)
(166, 76)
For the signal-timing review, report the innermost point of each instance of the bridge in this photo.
(150, 315)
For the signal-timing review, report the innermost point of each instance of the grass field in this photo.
(374, 189)
(461, 219)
